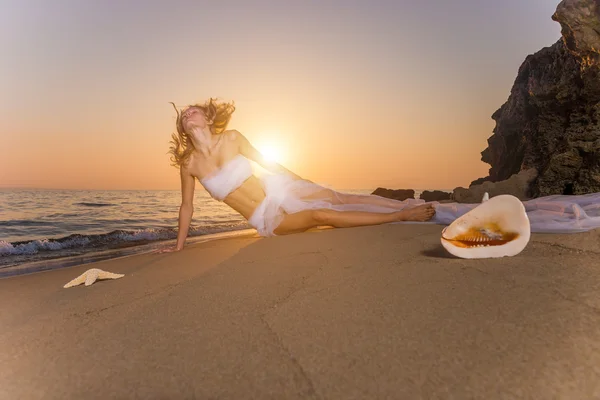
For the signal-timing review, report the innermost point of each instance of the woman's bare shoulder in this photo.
(190, 166)
(185, 169)
(232, 134)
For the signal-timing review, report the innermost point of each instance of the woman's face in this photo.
(193, 117)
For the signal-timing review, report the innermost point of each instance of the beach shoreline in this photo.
(111, 254)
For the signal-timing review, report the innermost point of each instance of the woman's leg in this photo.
(373, 199)
(304, 220)
(335, 197)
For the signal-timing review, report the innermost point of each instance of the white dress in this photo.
(283, 194)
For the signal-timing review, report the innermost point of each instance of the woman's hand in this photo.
(169, 249)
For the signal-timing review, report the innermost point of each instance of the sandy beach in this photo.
(364, 313)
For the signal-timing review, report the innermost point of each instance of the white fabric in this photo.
(550, 214)
(227, 178)
(286, 195)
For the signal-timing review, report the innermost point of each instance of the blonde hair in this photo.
(217, 115)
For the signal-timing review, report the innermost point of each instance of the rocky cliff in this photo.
(396, 194)
(551, 120)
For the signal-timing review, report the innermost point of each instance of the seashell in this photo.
(498, 227)
(486, 197)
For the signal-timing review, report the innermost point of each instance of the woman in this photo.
(277, 204)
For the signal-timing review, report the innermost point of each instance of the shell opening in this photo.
(489, 235)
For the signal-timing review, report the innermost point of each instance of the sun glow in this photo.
(271, 152)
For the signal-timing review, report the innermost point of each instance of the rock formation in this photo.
(398, 194)
(518, 185)
(435, 195)
(551, 120)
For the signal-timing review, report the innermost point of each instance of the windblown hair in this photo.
(217, 115)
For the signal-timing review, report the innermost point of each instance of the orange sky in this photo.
(353, 98)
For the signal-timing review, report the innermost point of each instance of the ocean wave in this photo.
(35, 246)
(106, 240)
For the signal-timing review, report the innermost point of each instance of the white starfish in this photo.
(91, 275)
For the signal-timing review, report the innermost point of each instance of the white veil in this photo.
(549, 214)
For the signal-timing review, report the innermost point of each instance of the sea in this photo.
(42, 229)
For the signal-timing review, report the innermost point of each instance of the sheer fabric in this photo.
(550, 214)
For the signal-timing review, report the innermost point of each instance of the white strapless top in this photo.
(229, 177)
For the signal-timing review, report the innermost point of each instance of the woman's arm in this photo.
(250, 152)
(186, 209)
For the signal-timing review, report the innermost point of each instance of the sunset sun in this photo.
(271, 152)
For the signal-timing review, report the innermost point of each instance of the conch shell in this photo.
(498, 227)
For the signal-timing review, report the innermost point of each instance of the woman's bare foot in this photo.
(423, 212)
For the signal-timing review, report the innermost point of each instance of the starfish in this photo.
(91, 275)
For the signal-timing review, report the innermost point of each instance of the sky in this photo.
(351, 94)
